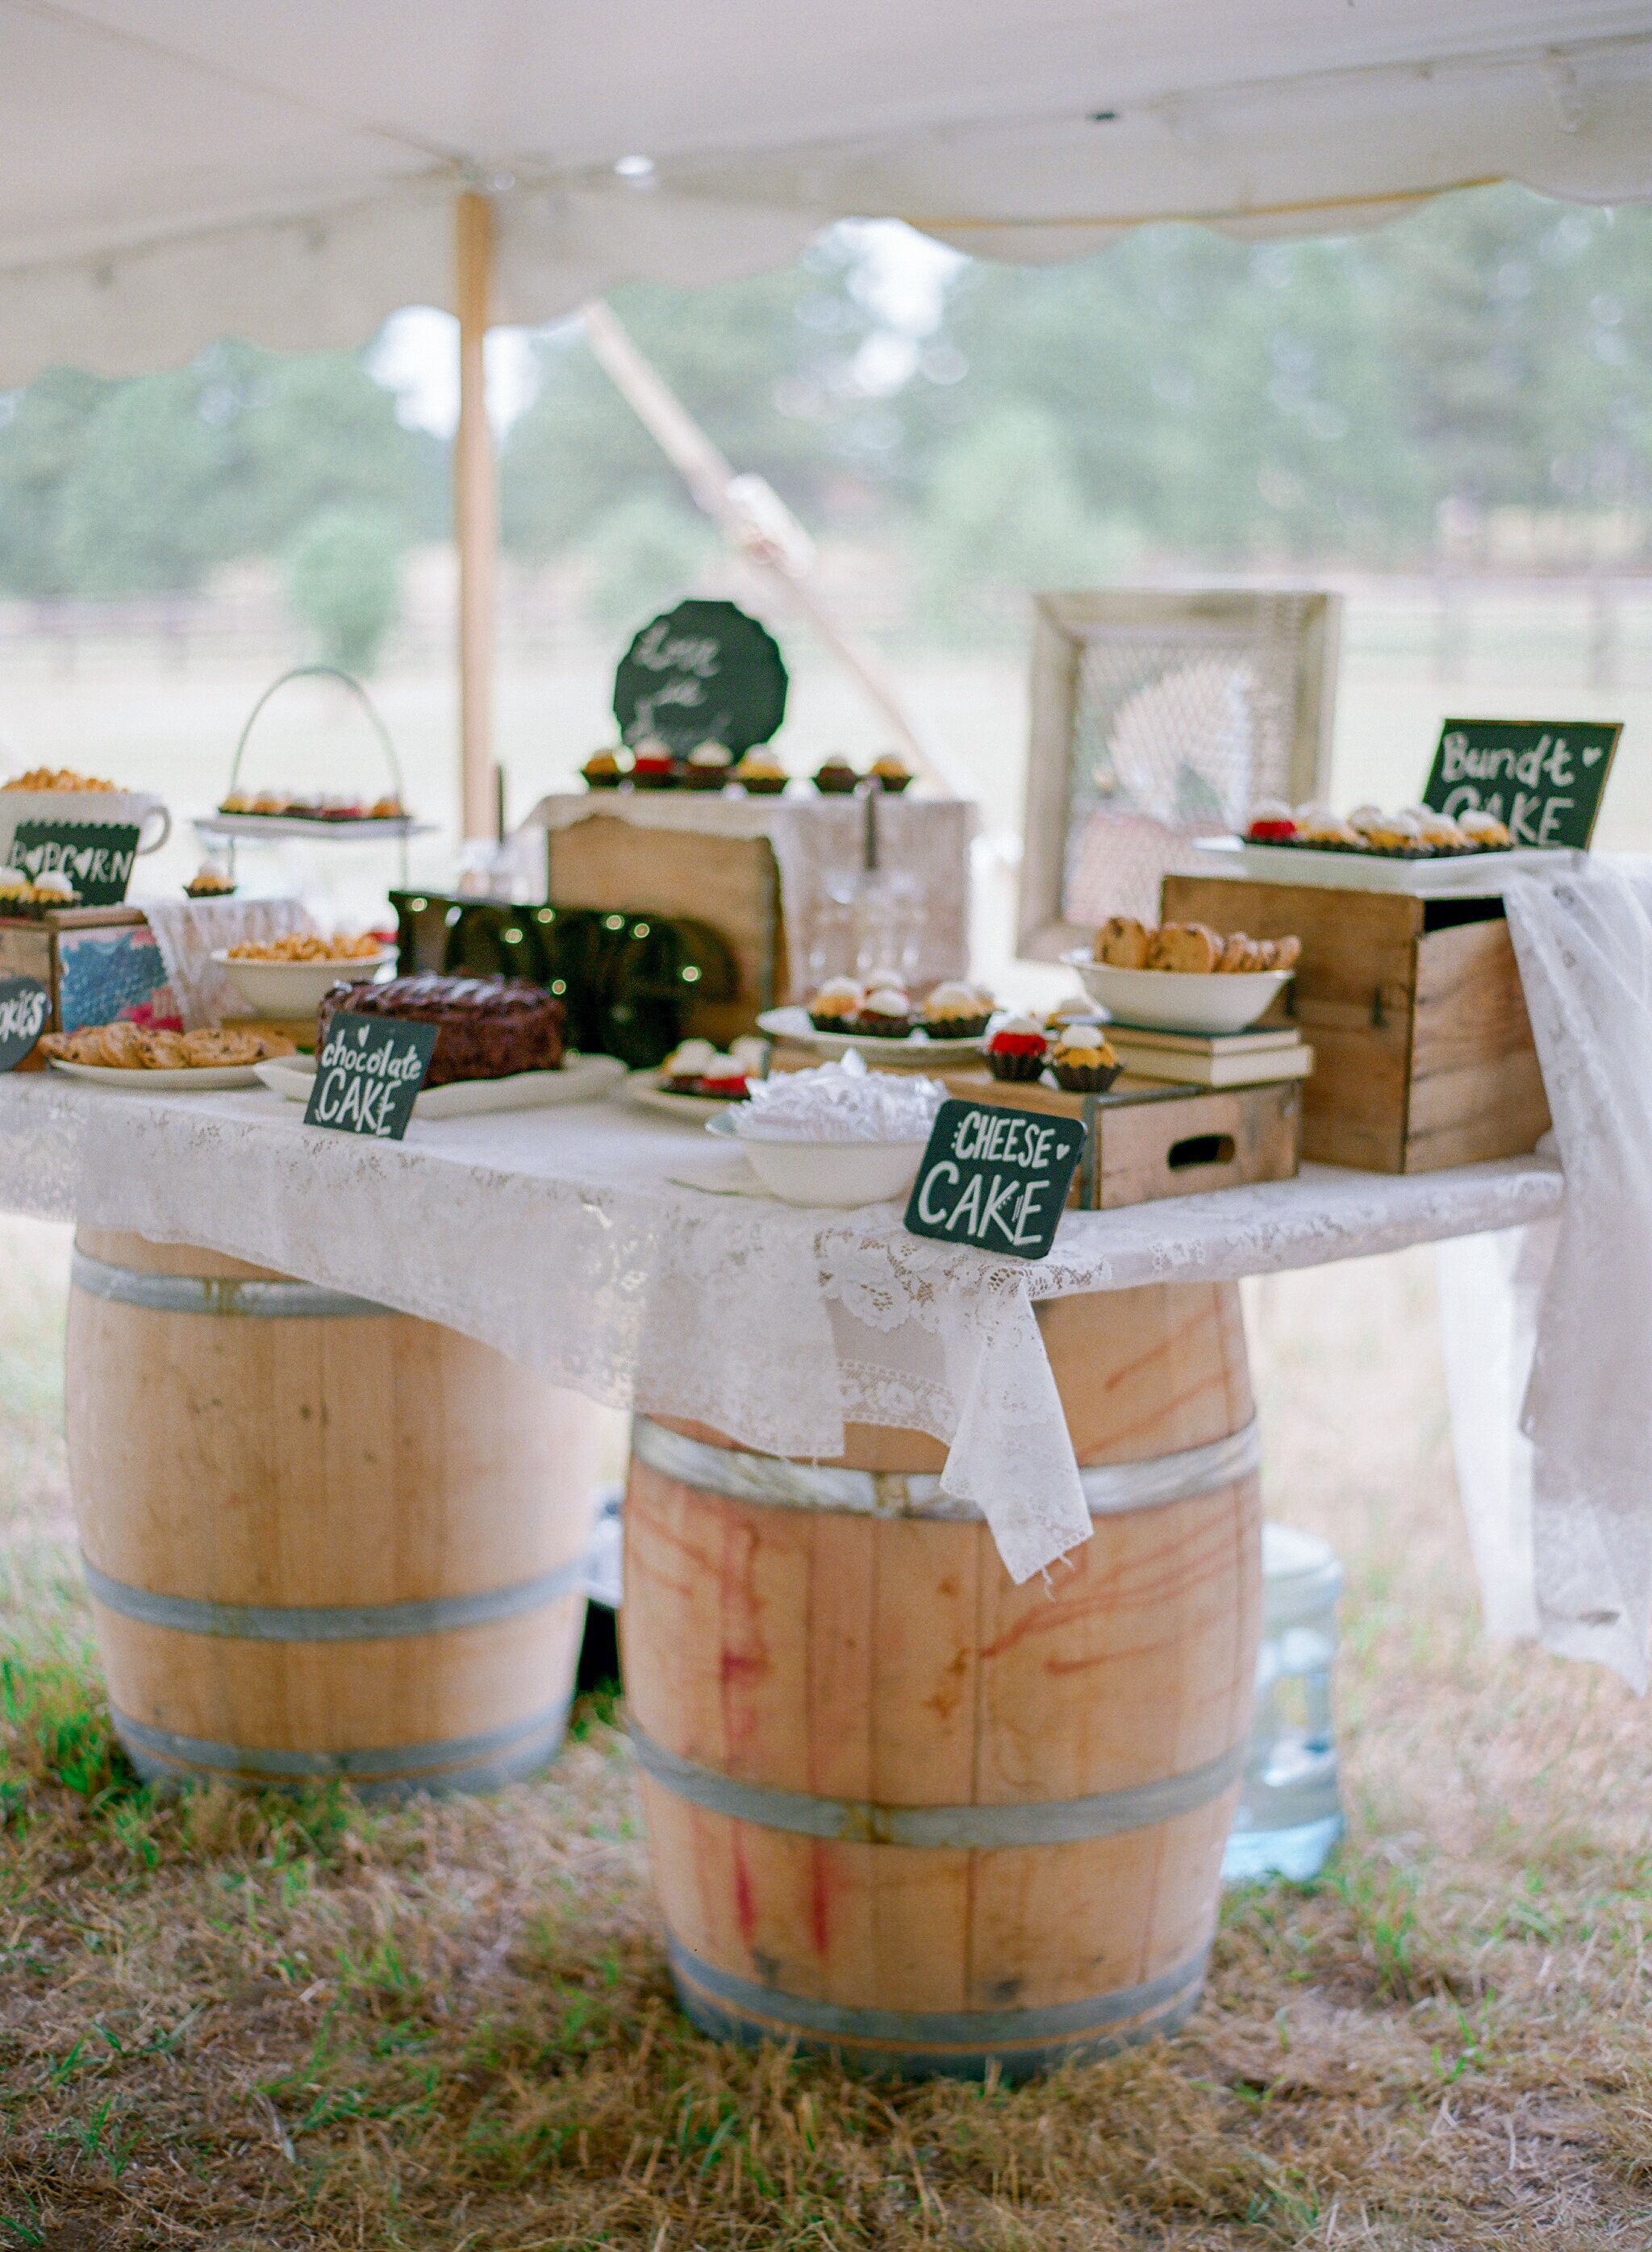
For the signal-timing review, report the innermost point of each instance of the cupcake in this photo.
(1392, 832)
(1439, 832)
(750, 1053)
(709, 766)
(1017, 1049)
(885, 1014)
(1272, 822)
(1082, 1061)
(956, 1011)
(762, 773)
(835, 777)
(387, 808)
(209, 883)
(683, 1068)
(1484, 832)
(1318, 826)
(653, 766)
(836, 1007)
(237, 802)
(603, 770)
(725, 1078)
(890, 773)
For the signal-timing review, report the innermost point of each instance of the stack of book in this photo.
(1212, 1058)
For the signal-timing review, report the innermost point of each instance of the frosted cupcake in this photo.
(1484, 832)
(836, 1007)
(1082, 1061)
(885, 1014)
(1018, 1049)
(762, 773)
(955, 1011)
(710, 766)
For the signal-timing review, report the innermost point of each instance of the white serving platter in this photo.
(1474, 875)
(913, 1053)
(581, 1079)
(295, 824)
(648, 1088)
(202, 1078)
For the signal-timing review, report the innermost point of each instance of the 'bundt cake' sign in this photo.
(702, 674)
(1542, 778)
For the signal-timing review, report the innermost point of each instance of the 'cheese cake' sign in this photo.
(1542, 778)
(95, 856)
(25, 1006)
(368, 1075)
(995, 1178)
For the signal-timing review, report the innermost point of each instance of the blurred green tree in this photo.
(344, 581)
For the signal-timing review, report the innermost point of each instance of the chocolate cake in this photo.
(486, 1028)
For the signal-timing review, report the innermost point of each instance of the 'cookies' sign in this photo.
(995, 1178)
(26, 1010)
(368, 1075)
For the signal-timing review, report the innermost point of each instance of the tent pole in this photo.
(475, 514)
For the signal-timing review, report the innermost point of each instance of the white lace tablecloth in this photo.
(556, 1236)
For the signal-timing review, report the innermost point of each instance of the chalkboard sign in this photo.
(1542, 778)
(995, 1178)
(95, 856)
(702, 674)
(25, 1007)
(368, 1075)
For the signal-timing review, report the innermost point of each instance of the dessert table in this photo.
(560, 1237)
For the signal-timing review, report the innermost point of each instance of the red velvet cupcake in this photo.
(1018, 1049)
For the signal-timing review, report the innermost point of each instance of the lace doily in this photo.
(557, 1236)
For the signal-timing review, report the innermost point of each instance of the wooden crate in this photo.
(1149, 1138)
(35, 948)
(729, 882)
(1423, 1054)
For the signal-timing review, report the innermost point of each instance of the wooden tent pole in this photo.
(475, 514)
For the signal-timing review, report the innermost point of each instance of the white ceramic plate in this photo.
(297, 988)
(910, 1054)
(580, 1079)
(201, 1080)
(649, 1089)
(1476, 875)
(844, 1174)
(1179, 1000)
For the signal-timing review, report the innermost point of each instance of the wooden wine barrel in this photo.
(320, 1537)
(901, 1809)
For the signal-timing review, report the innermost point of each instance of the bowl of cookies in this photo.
(1183, 976)
(291, 976)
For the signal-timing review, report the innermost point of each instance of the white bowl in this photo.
(841, 1173)
(296, 988)
(1180, 1000)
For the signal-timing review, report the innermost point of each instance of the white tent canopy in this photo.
(176, 170)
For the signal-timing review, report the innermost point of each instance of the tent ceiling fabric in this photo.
(180, 170)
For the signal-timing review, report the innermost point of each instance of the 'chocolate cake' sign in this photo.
(368, 1075)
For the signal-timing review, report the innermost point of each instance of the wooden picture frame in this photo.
(1278, 648)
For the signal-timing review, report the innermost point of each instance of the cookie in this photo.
(216, 1049)
(1187, 948)
(1239, 954)
(1123, 943)
(164, 1052)
(121, 1047)
(1287, 952)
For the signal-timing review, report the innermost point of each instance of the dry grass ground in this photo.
(243, 2023)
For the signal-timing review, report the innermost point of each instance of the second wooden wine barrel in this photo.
(901, 1809)
(320, 1539)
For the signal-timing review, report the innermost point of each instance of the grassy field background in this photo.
(243, 2023)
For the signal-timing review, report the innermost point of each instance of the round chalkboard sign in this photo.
(26, 1010)
(702, 674)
